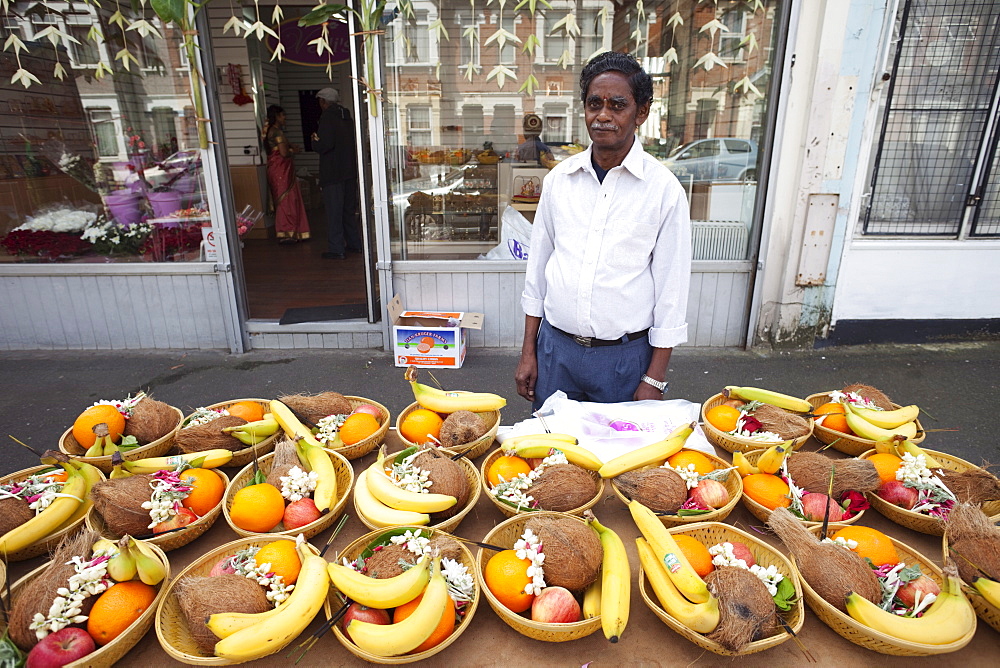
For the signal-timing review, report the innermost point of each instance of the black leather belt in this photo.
(591, 342)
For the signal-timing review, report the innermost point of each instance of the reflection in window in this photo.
(105, 131)
(555, 42)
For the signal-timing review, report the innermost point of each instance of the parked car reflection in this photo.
(718, 159)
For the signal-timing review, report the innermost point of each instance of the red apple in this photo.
(374, 411)
(898, 494)
(363, 613)
(555, 605)
(57, 649)
(741, 551)
(907, 594)
(814, 507)
(222, 567)
(184, 517)
(710, 493)
(533, 462)
(300, 513)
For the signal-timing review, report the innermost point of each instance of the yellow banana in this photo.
(383, 489)
(443, 401)
(592, 600)
(407, 635)
(772, 458)
(317, 459)
(293, 428)
(789, 403)
(949, 618)
(886, 446)
(225, 624)
(649, 454)
(260, 429)
(378, 513)
(71, 497)
(616, 581)
(273, 633)
(92, 475)
(121, 565)
(212, 459)
(743, 465)
(533, 447)
(888, 419)
(988, 589)
(512, 442)
(699, 617)
(381, 593)
(865, 429)
(680, 572)
(907, 446)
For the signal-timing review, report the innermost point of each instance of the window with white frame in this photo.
(554, 43)
(84, 53)
(730, 38)
(592, 38)
(105, 131)
(416, 40)
(508, 54)
(468, 49)
(418, 125)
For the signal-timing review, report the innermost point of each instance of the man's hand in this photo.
(314, 136)
(525, 376)
(646, 391)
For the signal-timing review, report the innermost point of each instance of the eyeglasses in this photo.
(596, 103)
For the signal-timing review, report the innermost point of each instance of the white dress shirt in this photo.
(608, 259)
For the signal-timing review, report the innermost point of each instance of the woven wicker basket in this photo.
(734, 485)
(470, 450)
(3, 575)
(345, 480)
(506, 534)
(450, 523)
(174, 539)
(730, 443)
(849, 444)
(865, 636)
(364, 446)
(352, 552)
(161, 446)
(108, 654)
(984, 610)
(50, 541)
(509, 510)
(171, 627)
(762, 512)
(244, 456)
(712, 533)
(918, 521)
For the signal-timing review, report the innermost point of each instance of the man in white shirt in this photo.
(605, 293)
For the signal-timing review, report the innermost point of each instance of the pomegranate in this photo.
(898, 494)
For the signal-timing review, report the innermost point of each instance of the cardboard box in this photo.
(428, 339)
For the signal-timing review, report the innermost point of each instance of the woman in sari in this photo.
(290, 221)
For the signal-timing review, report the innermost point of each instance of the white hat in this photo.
(329, 94)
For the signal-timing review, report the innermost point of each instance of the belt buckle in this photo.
(585, 341)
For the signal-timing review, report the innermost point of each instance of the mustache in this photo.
(603, 126)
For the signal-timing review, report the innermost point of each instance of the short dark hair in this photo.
(615, 61)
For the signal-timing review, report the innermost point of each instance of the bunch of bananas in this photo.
(72, 503)
(206, 459)
(612, 596)
(104, 445)
(876, 425)
(245, 637)
(425, 578)
(899, 446)
(650, 454)
(541, 445)
(255, 433)
(769, 462)
(383, 503)
(311, 453)
(680, 590)
(444, 401)
(130, 558)
(788, 402)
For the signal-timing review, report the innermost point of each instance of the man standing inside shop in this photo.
(338, 175)
(606, 286)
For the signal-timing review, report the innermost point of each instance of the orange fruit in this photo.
(835, 416)
(506, 576)
(722, 417)
(507, 467)
(696, 553)
(83, 427)
(768, 490)
(257, 508)
(702, 464)
(283, 557)
(886, 464)
(207, 490)
(250, 411)
(872, 544)
(420, 426)
(441, 631)
(357, 427)
(116, 609)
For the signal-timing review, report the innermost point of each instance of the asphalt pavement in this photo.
(957, 386)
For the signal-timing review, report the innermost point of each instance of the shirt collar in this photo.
(632, 162)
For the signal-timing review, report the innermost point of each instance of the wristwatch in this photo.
(661, 385)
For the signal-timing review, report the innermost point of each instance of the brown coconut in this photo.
(447, 548)
(13, 513)
(286, 457)
(746, 609)
(659, 489)
(974, 542)
(461, 427)
(37, 595)
(209, 436)
(872, 394)
(781, 422)
(315, 407)
(119, 501)
(385, 562)
(811, 472)
(150, 420)
(831, 570)
(573, 552)
(447, 477)
(563, 487)
(976, 486)
(202, 597)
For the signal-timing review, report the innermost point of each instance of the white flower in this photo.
(298, 484)
(846, 543)
(329, 427)
(687, 474)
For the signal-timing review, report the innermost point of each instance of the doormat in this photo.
(294, 316)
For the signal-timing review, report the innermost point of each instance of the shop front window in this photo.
(96, 165)
(470, 188)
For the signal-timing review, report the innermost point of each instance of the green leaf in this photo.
(529, 85)
(383, 539)
(10, 655)
(199, 462)
(909, 573)
(530, 44)
(692, 512)
(398, 459)
(323, 13)
(785, 597)
(170, 11)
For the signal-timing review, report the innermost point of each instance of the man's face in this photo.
(611, 112)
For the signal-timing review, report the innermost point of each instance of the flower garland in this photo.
(853, 398)
(514, 491)
(90, 578)
(298, 484)
(329, 427)
(933, 496)
(124, 406)
(410, 477)
(39, 490)
(892, 578)
(204, 416)
(245, 563)
(529, 547)
(168, 492)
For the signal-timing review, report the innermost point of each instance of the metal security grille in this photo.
(936, 154)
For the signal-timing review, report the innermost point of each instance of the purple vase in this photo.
(124, 207)
(164, 203)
